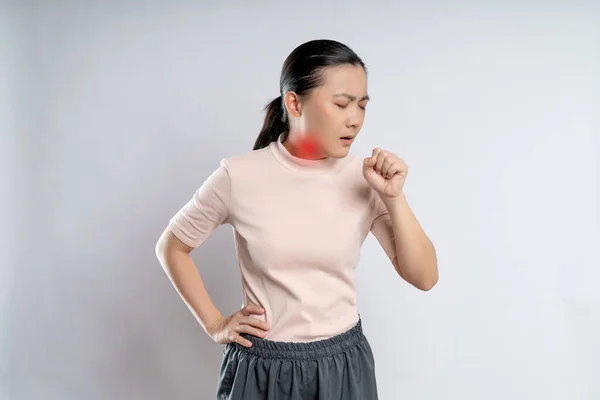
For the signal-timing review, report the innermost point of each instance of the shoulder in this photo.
(248, 160)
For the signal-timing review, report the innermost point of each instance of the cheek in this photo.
(362, 119)
(323, 119)
(314, 115)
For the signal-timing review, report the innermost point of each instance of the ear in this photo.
(293, 105)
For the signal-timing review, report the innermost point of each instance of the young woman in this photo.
(301, 207)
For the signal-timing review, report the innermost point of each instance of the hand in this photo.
(385, 172)
(228, 329)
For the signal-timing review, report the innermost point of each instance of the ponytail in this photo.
(275, 124)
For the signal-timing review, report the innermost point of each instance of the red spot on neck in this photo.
(307, 147)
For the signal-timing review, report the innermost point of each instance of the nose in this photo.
(354, 119)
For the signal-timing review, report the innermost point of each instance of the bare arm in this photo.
(175, 258)
(416, 259)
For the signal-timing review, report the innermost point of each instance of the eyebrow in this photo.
(352, 98)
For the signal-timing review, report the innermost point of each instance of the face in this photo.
(333, 113)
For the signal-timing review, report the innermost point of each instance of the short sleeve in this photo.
(205, 211)
(381, 227)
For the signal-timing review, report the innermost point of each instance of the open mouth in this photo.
(347, 140)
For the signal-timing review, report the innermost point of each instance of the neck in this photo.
(303, 145)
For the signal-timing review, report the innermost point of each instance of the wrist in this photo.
(209, 323)
(393, 203)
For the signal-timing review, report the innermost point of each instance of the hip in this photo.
(342, 366)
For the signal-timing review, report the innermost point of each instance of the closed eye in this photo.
(343, 106)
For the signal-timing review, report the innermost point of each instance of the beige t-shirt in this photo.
(298, 228)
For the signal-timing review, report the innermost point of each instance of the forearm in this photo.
(184, 276)
(416, 257)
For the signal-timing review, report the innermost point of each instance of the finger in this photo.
(251, 331)
(393, 170)
(370, 161)
(252, 309)
(255, 322)
(381, 157)
(374, 157)
(240, 340)
(386, 166)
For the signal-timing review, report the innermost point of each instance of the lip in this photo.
(347, 140)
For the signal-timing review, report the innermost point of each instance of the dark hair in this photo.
(301, 72)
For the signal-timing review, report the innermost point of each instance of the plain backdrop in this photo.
(113, 113)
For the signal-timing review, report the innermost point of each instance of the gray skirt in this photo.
(338, 368)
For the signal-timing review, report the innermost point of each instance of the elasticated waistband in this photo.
(301, 351)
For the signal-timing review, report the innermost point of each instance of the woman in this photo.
(301, 207)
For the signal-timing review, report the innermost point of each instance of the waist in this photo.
(266, 348)
(291, 322)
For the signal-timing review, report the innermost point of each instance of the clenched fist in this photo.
(385, 172)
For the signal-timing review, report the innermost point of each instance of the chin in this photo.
(339, 152)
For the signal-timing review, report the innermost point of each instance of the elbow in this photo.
(430, 276)
(162, 247)
(422, 280)
(428, 284)
(429, 279)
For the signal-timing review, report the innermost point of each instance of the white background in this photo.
(112, 114)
